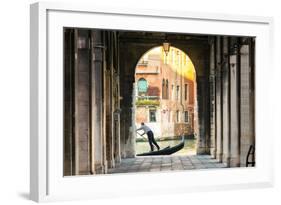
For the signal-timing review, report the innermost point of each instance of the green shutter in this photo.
(142, 85)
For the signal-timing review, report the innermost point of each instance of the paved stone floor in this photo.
(166, 163)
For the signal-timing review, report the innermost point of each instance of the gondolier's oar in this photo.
(141, 135)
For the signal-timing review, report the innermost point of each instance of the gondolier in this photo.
(150, 136)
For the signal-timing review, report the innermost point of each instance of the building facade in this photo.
(165, 93)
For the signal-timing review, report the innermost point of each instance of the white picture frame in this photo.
(46, 177)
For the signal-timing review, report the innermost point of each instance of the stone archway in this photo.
(98, 81)
(131, 50)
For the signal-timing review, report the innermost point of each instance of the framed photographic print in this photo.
(136, 102)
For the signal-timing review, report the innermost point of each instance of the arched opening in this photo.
(165, 100)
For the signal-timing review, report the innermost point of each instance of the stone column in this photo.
(247, 103)
(69, 136)
(82, 108)
(76, 130)
(109, 100)
(108, 117)
(234, 107)
(117, 110)
(225, 101)
(96, 102)
(128, 53)
(203, 115)
(202, 65)
(219, 139)
(212, 98)
(104, 108)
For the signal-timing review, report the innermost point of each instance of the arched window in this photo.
(186, 116)
(177, 116)
(185, 91)
(167, 89)
(142, 85)
(178, 92)
(163, 89)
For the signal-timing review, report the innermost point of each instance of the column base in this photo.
(219, 157)
(213, 152)
(99, 169)
(105, 167)
(234, 162)
(226, 160)
(111, 163)
(118, 159)
(202, 150)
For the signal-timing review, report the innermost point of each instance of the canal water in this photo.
(189, 146)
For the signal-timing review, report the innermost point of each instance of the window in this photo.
(152, 115)
(142, 85)
(163, 90)
(167, 89)
(185, 116)
(177, 94)
(185, 91)
(178, 116)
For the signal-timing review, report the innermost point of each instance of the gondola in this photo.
(165, 151)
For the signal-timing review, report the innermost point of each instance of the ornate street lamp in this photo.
(166, 47)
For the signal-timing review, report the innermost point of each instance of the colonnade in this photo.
(232, 63)
(98, 100)
(91, 101)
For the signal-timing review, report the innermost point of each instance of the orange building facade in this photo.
(165, 97)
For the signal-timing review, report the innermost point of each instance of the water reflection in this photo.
(189, 146)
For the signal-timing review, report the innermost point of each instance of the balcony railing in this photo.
(143, 63)
(138, 97)
(147, 100)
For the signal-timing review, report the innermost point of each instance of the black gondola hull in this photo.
(166, 151)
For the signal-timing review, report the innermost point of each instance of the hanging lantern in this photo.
(166, 47)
